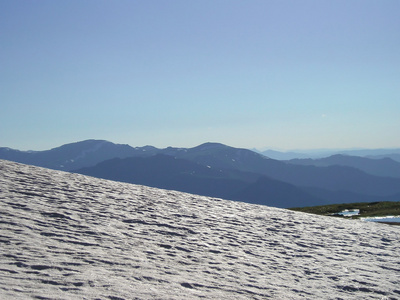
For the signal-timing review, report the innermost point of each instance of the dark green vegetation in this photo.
(367, 209)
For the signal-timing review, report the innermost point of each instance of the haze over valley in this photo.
(218, 170)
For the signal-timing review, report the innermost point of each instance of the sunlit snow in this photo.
(68, 236)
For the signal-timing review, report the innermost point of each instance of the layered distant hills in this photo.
(217, 170)
(322, 153)
(386, 167)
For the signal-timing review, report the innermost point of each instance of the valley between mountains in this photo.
(217, 170)
(70, 236)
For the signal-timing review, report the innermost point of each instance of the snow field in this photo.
(69, 236)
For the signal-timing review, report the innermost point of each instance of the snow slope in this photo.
(69, 236)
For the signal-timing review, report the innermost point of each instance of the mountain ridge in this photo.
(385, 167)
(70, 156)
(393, 153)
(168, 172)
(236, 163)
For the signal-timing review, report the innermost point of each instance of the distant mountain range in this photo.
(168, 172)
(70, 156)
(386, 167)
(217, 170)
(315, 154)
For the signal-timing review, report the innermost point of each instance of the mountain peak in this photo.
(210, 145)
(71, 156)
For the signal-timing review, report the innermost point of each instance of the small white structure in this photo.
(349, 212)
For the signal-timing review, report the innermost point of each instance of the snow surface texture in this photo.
(68, 236)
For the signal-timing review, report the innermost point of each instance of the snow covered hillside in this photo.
(68, 236)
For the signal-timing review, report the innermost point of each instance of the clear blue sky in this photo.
(276, 74)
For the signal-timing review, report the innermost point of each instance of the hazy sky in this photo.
(277, 74)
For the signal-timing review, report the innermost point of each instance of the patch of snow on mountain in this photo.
(69, 236)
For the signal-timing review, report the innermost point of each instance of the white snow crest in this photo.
(69, 236)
